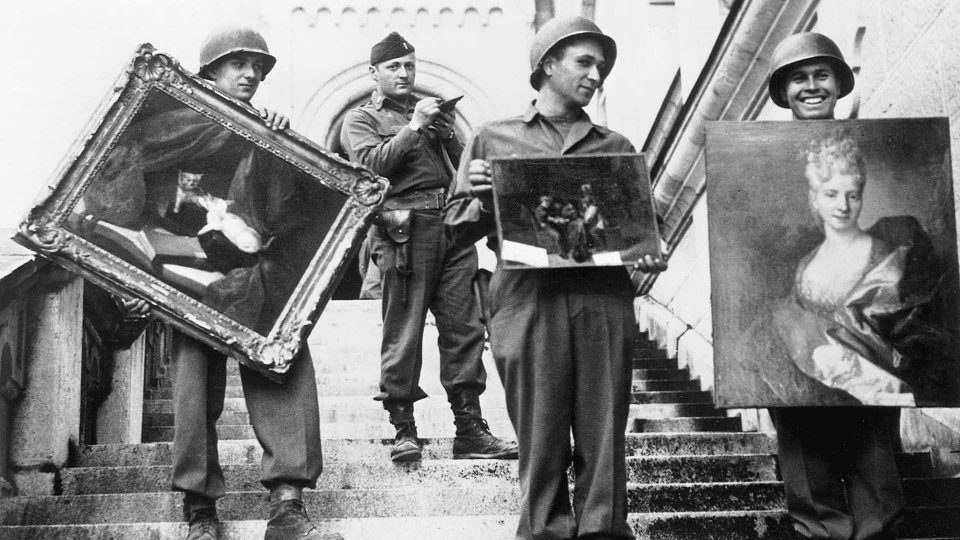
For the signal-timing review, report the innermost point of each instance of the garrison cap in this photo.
(390, 47)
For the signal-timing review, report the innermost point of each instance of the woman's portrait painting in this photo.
(833, 256)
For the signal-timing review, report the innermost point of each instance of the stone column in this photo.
(46, 422)
(120, 418)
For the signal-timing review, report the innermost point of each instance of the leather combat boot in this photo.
(406, 445)
(288, 517)
(201, 512)
(474, 440)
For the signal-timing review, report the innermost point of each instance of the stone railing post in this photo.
(46, 421)
(120, 418)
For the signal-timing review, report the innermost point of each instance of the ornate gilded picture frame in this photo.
(833, 263)
(573, 210)
(180, 195)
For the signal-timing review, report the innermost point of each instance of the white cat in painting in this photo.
(219, 218)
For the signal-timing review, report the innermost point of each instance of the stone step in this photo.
(923, 523)
(357, 385)
(397, 528)
(674, 448)
(654, 363)
(918, 524)
(692, 443)
(227, 418)
(500, 427)
(354, 503)
(673, 410)
(381, 429)
(672, 396)
(152, 434)
(683, 425)
(654, 385)
(374, 416)
(166, 393)
(235, 452)
(493, 404)
(422, 501)
(673, 374)
(443, 473)
(371, 413)
(648, 352)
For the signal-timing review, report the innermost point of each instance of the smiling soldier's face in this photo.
(811, 91)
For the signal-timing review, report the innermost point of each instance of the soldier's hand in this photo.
(273, 119)
(134, 307)
(443, 123)
(481, 181)
(649, 264)
(424, 112)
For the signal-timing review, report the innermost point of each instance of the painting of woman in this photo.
(864, 314)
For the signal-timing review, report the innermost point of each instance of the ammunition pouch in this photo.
(395, 219)
(397, 225)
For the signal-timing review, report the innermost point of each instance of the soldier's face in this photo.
(395, 78)
(811, 91)
(239, 75)
(575, 77)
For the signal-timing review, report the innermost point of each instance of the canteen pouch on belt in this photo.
(398, 225)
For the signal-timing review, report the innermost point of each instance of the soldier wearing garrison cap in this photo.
(286, 417)
(412, 142)
(559, 337)
(838, 464)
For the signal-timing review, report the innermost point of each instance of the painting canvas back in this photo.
(563, 211)
(833, 258)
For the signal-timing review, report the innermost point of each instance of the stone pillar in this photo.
(120, 418)
(46, 422)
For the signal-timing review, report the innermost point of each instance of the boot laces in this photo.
(205, 521)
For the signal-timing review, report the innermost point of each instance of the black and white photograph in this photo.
(480, 270)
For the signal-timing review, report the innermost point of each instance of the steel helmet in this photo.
(233, 40)
(804, 47)
(557, 30)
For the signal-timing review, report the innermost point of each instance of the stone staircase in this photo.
(693, 474)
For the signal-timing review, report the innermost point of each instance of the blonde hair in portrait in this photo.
(828, 157)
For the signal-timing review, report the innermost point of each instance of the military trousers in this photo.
(559, 339)
(285, 419)
(441, 280)
(839, 471)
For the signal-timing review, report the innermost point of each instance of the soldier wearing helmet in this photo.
(560, 337)
(809, 75)
(284, 417)
(846, 486)
(237, 60)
